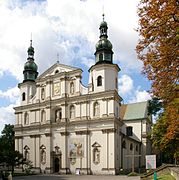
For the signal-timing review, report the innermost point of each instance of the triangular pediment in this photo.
(96, 145)
(57, 68)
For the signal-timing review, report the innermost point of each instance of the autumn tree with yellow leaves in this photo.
(158, 48)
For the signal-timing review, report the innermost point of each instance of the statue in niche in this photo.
(96, 156)
(43, 156)
(58, 115)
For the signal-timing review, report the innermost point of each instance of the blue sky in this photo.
(69, 28)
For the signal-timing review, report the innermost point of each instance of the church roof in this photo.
(134, 111)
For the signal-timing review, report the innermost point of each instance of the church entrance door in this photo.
(57, 164)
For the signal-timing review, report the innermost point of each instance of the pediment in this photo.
(96, 145)
(56, 68)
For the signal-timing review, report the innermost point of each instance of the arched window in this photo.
(42, 93)
(72, 111)
(96, 109)
(23, 96)
(116, 84)
(26, 118)
(43, 116)
(72, 88)
(100, 57)
(58, 115)
(131, 146)
(99, 81)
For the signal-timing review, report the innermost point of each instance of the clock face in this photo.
(56, 88)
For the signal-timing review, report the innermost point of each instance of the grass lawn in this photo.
(165, 177)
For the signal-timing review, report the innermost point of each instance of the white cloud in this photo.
(140, 96)
(125, 85)
(7, 116)
(11, 94)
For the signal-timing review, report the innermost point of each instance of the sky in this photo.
(67, 30)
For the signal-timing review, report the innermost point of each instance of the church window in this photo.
(116, 84)
(101, 57)
(42, 154)
(72, 111)
(96, 155)
(124, 144)
(131, 146)
(99, 81)
(26, 118)
(23, 96)
(96, 109)
(42, 93)
(57, 71)
(72, 88)
(43, 116)
(129, 131)
(136, 148)
(58, 115)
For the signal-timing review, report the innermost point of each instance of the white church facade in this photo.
(63, 126)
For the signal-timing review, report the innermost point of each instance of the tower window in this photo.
(101, 57)
(23, 96)
(99, 81)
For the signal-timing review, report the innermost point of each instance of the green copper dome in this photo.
(103, 24)
(104, 53)
(30, 68)
(103, 44)
(30, 65)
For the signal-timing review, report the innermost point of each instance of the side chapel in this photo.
(62, 126)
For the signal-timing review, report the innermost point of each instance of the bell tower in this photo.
(104, 74)
(28, 86)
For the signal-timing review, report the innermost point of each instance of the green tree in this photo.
(8, 155)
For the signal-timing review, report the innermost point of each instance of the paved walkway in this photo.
(76, 177)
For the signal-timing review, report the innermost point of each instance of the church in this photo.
(64, 127)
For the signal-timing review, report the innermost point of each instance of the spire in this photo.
(30, 67)
(30, 51)
(104, 53)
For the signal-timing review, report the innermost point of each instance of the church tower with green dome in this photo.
(104, 53)
(28, 86)
(104, 73)
(30, 68)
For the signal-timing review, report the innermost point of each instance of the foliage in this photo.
(8, 155)
(155, 105)
(28, 167)
(165, 134)
(158, 49)
(158, 46)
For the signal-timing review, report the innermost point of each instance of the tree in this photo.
(8, 155)
(158, 49)
(158, 45)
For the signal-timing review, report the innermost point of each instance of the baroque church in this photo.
(64, 127)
